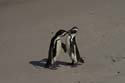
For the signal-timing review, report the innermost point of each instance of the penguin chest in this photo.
(58, 49)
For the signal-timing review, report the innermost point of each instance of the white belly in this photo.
(58, 49)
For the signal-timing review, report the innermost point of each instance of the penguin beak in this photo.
(68, 31)
(64, 34)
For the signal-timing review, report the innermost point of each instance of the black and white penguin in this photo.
(71, 47)
(55, 48)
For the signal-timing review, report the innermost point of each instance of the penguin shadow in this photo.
(42, 64)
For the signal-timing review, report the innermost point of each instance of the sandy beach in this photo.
(27, 26)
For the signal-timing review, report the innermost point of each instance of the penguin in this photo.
(71, 47)
(55, 48)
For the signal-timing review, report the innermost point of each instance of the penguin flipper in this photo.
(64, 47)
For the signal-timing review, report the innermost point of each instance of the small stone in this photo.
(113, 60)
(52, 32)
(79, 82)
(118, 72)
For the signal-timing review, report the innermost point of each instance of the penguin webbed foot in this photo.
(72, 64)
(52, 66)
(81, 60)
(47, 65)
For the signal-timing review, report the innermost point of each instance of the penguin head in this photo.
(73, 30)
(60, 33)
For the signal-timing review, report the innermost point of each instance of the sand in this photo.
(26, 28)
